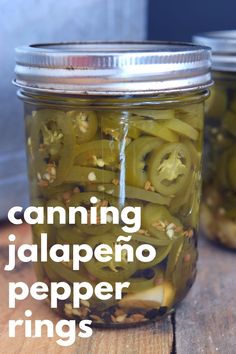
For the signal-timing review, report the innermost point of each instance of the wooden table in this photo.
(204, 323)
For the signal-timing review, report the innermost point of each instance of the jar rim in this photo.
(113, 68)
(223, 46)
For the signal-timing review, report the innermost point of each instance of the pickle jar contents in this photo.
(126, 150)
(218, 210)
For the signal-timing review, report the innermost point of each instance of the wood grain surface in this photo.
(206, 320)
(204, 323)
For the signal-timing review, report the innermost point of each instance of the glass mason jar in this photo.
(118, 125)
(218, 211)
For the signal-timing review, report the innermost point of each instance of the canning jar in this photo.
(118, 125)
(218, 211)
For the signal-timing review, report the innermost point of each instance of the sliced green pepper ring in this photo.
(182, 128)
(66, 273)
(169, 168)
(162, 247)
(53, 141)
(136, 155)
(52, 276)
(189, 211)
(112, 270)
(38, 229)
(158, 221)
(98, 153)
(70, 235)
(118, 125)
(130, 193)
(39, 271)
(80, 174)
(185, 195)
(194, 153)
(57, 191)
(192, 115)
(84, 123)
(186, 202)
(162, 240)
(156, 129)
(157, 114)
(84, 198)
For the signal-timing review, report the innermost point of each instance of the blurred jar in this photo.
(218, 211)
(123, 127)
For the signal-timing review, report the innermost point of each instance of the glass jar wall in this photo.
(100, 151)
(142, 157)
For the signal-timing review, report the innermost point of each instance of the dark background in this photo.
(180, 19)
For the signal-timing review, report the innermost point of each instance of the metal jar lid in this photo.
(113, 68)
(223, 45)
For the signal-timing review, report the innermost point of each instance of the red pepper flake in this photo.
(115, 181)
(43, 183)
(187, 258)
(66, 196)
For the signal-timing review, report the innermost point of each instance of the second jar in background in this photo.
(218, 212)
